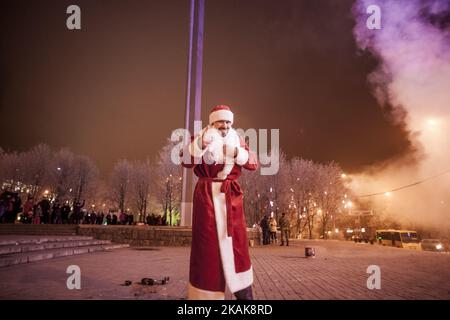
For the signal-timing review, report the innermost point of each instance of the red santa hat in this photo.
(220, 112)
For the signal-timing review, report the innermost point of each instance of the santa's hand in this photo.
(230, 150)
(205, 143)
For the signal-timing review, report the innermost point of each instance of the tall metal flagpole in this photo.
(193, 98)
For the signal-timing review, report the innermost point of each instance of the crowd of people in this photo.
(269, 226)
(46, 211)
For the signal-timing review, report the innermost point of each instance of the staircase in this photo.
(19, 249)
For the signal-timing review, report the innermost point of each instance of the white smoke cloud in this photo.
(413, 46)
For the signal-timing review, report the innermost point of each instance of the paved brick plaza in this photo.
(337, 272)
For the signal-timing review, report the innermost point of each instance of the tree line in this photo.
(142, 188)
(312, 194)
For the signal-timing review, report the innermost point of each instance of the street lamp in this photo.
(431, 122)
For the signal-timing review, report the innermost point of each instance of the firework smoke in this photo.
(413, 47)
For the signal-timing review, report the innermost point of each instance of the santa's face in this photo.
(223, 126)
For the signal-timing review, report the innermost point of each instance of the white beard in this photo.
(214, 151)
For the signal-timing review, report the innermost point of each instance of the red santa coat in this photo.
(219, 251)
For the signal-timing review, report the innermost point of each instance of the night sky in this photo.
(116, 88)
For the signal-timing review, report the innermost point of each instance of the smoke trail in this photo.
(413, 46)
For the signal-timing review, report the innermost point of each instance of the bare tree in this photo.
(62, 173)
(119, 184)
(11, 168)
(168, 184)
(140, 186)
(302, 186)
(36, 167)
(277, 186)
(101, 195)
(85, 174)
(330, 193)
(250, 182)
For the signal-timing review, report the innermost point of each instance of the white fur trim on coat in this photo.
(242, 156)
(220, 115)
(235, 281)
(200, 294)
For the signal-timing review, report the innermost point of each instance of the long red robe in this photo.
(219, 252)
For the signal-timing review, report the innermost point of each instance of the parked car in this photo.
(432, 245)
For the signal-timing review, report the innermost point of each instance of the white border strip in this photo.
(235, 281)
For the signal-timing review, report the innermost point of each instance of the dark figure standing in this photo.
(77, 210)
(284, 226)
(265, 229)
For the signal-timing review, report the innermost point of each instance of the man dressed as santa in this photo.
(219, 252)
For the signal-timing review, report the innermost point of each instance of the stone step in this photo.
(18, 248)
(39, 233)
(32, 256)
(38, 229)
(6, 240)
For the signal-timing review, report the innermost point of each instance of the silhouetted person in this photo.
(45, 206)
(56, 213)
(65, 210)
(114, 219)
(285, 229)
(77, 210)
(265, 229)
